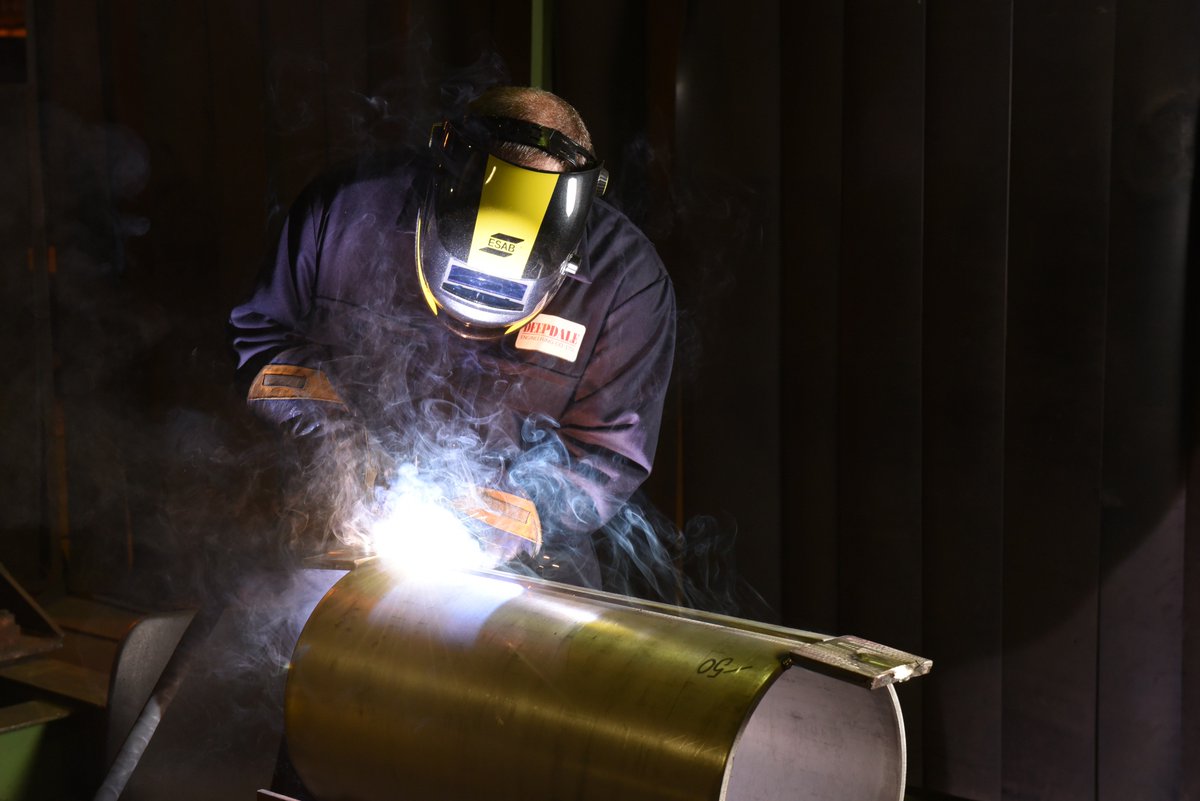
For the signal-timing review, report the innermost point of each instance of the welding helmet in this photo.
(495, 239)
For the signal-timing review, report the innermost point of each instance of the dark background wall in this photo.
(937, 365)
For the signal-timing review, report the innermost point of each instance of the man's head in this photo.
(500, 229)
(537, 106)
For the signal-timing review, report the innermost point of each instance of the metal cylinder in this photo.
(483, 685)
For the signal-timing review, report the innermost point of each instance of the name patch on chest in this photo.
(552, 335)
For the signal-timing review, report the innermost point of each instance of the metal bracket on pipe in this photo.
(862, 661)
(340, 559)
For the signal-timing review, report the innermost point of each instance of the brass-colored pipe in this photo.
(485, 685)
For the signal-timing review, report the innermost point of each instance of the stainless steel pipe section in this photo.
(458, 687)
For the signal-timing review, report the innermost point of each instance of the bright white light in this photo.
(417, 530)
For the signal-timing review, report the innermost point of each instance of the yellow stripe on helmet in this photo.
(433, 304)
(511, 209)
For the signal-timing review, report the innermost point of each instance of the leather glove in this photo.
(301, 401)
(298, 400)
(507, 526)
(340, 463)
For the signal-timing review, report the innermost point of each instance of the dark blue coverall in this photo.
(572, 415)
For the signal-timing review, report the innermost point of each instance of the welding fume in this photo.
(465, 349)
(458, 352)
(469, 329)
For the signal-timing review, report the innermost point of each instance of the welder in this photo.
(475, 298)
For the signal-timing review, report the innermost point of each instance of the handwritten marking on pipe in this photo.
(713, 667)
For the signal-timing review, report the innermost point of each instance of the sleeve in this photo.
(610, 428)
(278, 368)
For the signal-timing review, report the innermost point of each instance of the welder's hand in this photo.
(357, 455)
(298, 400)
(505, 524)
(302, 401)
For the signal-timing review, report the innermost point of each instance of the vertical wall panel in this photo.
(1190, 664)
(121, 71)
(627, 97)
(879, 334)
(238, 129)
(162, 365)
(1061, 121)
(387, 35)
(1140, 688)
(726, 278)
(879, 422)
(508, 30)
(343, 29)
(72, 114)
(966, 231)
(1190, 708)
(663, 27)
(474, 43)
(811, 47)
(84, 442)
(21, 472)
(663, 30)
(296, 79)
(599, 87)
(178, 100)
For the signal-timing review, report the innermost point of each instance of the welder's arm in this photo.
(282, 372)
(610, 430)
